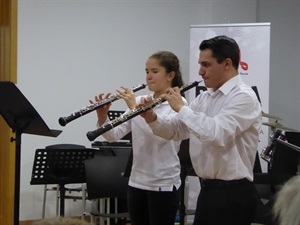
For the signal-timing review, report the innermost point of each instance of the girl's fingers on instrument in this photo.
(127, 90)
(106, 95)
(144, 101)
(124, 88)
(99, 97)
(119, 92)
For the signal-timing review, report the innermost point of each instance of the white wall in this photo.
(284, 59)
(69, 51)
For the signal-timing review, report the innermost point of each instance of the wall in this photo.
(284, 59)
(69, 51)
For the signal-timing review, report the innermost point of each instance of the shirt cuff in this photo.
(105, 122)
(184, 113)
(155, 123)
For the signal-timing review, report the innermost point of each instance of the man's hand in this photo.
(174, 98)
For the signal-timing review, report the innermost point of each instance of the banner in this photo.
(254, 42)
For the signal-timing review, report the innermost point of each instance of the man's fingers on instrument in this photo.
(148, 98)
(164, 96)
(176, 89)
(143, 101)
(169, 91)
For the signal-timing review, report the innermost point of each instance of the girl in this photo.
(153, 196)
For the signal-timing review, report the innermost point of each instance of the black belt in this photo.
(222, 183)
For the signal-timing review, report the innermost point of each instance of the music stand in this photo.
(116, 149)
(186, 170)
(21, 117)
(199, 90)
(113, 114)
(60, 166)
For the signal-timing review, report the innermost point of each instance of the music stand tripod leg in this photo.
(17, 139)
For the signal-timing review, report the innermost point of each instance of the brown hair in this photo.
(170, 62)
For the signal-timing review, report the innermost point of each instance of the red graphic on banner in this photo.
(244, 65)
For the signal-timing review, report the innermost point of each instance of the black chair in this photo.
(73, 193)
(265, 192)
(293, 137)
(284, 164)
(105, 180)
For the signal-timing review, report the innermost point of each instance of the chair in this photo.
(104, 180)
(73, 193)
(284, 164)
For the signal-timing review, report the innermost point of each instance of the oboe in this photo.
(92, 135)
(64, 120)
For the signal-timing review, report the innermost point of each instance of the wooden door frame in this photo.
(8, 72)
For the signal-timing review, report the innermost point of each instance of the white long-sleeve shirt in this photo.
(156, 165)
(223, 127)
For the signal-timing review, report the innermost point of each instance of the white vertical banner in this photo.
(254, 42)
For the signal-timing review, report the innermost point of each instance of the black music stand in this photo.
(284, 164)
(21, 117)
(116, 149)
(105, 180)
(186, 170)
(113, 114)
(60, 166)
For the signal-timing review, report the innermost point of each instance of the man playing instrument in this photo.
(223, 125)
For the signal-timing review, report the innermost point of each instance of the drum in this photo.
(268, 151)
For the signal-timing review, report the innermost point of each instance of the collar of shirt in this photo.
(227, 86)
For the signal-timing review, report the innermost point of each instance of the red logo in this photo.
(244, 65)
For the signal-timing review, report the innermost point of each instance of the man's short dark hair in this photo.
(223, 47)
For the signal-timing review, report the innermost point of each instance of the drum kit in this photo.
(277, 132)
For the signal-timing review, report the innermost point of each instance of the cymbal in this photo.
(270, 116)
(278, 126)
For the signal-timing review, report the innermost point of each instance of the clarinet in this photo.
(64, 120)
(92, 135)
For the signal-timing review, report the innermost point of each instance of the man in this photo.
(223, 125)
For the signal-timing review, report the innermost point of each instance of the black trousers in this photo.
(152, 207)
(225, 203)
